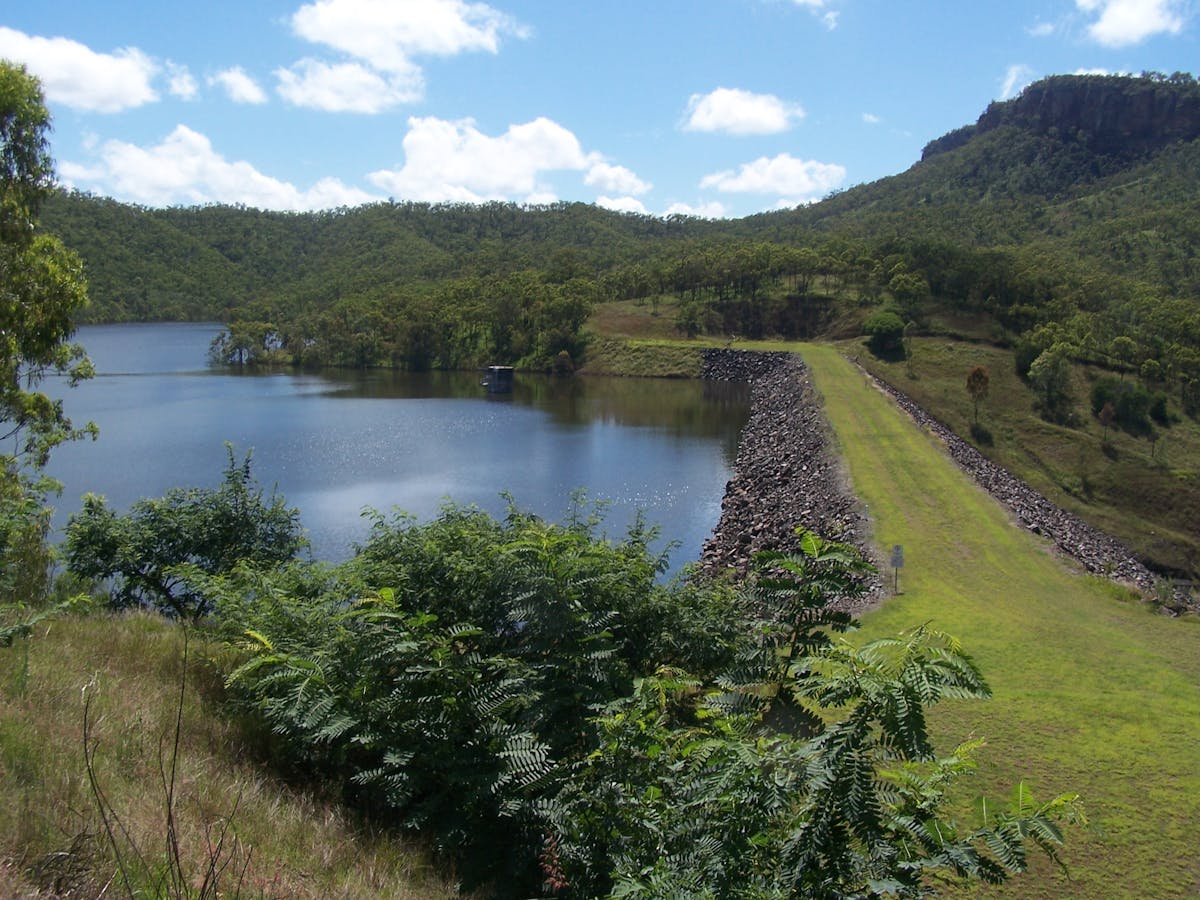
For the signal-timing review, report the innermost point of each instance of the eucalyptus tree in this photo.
(41, 282)
(978, 383)
(1050, 377)
(41, 290)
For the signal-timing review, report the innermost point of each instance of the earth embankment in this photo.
(1099, 553)
(787, 476)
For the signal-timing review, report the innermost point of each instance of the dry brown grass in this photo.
(52, 839)
(644, 319)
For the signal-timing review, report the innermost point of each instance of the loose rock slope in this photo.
(785, 475)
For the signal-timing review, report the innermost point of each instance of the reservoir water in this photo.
(334, 442)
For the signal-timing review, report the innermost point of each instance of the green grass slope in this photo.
(1093, 692)
(51, 835)
(1146, 495)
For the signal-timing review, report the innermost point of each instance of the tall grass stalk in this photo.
(172, 881)
(52, 837)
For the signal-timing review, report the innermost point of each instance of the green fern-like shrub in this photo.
(534, 700)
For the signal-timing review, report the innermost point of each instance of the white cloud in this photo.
(185, 169)
(820, 9)
(713, 210)
(346, 87)
(735, 111)
(871, 118)
(382, 38)
(448, 161)
(622, 204)
(1121, 23)
(793, 180)
(387, 33)
(617, 179)
(1040, 30)
(76, 76)
(1095, 72)
(73, 174)
(180, 81)
(240, 87)
(1015, 78)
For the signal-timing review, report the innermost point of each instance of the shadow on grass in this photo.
(981, 435)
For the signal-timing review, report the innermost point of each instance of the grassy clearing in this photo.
(639, 339)
(644, 358)
(1093, 692)
(649, 318)
(51, 837)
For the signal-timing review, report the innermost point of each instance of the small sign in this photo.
(897, 565)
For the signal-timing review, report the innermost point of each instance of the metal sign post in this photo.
(897, 565)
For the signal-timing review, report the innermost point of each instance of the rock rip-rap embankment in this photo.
(785, 474)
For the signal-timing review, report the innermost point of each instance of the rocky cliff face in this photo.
(1112, 115)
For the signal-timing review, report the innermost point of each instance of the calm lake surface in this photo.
(335, 442)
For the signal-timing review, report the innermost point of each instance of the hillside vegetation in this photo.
(1057, 235)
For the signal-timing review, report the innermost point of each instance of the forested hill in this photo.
(1097, 173)
(213, 262)
(1074, 207)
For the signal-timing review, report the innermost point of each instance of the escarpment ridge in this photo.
(1112, 115)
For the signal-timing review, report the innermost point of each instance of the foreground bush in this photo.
(209, 529)
(529, 696)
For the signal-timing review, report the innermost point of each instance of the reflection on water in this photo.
(675, 406)
(336, 442)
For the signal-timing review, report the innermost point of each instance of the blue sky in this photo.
(717, 108)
